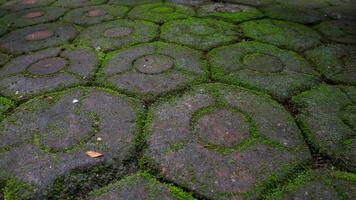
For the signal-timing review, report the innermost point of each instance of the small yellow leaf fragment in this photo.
(93, 154)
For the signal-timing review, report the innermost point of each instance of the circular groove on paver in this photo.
(224, 128)
(95, 14)
(202, 34)
(47, 66)
(294, 13)
(149, 70)
(154, 64)
(133, 2)
(338, 30)
(327, 115)
(263, 62)
(317, 184)
(189, 2)
(32, 16)
(139, 186)
(78, 3)
(117, 34)
(257, 3)
(262, 66)
(52, 133)
(161, 12)
(335, 61)
(222, 141)
(283, 34)
(45, 71)
(341, 12)
(16, 5)
(229, 12)
(37, 37)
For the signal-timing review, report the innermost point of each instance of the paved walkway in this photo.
(181, 99)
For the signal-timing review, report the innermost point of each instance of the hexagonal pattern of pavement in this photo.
(177, 99)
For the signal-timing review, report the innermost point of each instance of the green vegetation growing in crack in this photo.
(14, 189)
(148, 184)
(5, 105)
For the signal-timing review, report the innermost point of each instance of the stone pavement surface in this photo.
(177, 99)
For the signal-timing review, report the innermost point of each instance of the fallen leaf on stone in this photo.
(93, 154)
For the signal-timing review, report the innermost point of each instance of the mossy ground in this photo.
(315, 38)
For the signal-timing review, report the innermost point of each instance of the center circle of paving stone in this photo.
(245, 141)
(262, 62)
(227, 8)
(117, 32)
(28, 2)
(47, 66)
(39, 35)
(203, 30)
(163, 9)
(223, 128)
(96, 13)
(154, 64)
(34, 14)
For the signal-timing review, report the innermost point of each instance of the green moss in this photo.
(283, 34)
(238, 13)
(202, 34)
(5, 105)
(17, 190)
(160, 12)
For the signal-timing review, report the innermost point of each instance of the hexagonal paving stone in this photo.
(33, 16)
(328, 117)
(283, 34)
(78, 3)
(318, 184)
(25, 4)
(95, 14)
(120, 33)
(48, 137)
(5, 105)
(339, 30)
(223, 142)
(229, 12)
(3, 59)
(152, 69)
(202, 34)
(306, 3)
(37, 37)
(252, 2)
(45, 71)
(161, 12)
(133, 2)
(294, 13)
(344, 12)
(139, 186)
(265, 67)
(336, 62)
(190, 2)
